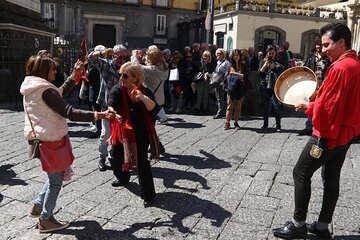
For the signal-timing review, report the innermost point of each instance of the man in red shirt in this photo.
(335, 115)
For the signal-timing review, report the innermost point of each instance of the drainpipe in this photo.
(354, 19)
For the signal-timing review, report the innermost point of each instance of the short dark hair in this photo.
(338, 31)
(39, 66)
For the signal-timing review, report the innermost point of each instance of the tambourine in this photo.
(296, 84)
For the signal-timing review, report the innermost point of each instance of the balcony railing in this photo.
(284, 9)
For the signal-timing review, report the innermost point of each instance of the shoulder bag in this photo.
(216, 79)
(199, 77)
(54, 156)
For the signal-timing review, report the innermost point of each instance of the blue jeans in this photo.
(104, 136)
(49, 194)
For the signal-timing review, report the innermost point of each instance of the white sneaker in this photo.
(93, 128)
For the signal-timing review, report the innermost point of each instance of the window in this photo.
(160, 25)
(161, 3)
(132, 1)
(229, 46)
(49, 13)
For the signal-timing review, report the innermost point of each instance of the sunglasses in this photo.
(124, 76)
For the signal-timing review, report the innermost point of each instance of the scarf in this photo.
(125, 134)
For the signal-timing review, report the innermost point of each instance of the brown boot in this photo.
(51, 225)
(35, 211)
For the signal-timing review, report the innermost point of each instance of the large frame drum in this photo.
(295, 84)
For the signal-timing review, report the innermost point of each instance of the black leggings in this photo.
(332, 161)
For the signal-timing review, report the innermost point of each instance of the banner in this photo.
(208, 20)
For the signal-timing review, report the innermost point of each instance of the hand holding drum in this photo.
(296, 85)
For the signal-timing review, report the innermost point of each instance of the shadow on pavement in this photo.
(1, 197)
(89, 229)
(8, 176)
(170, 176)
(269, 130)
(210, 162)
(85, 133)
(183, 124)
(184, 205)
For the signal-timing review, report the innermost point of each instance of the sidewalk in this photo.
(211, 184)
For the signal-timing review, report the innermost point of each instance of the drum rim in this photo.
(286, 74)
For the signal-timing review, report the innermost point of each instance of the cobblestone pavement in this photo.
(211, 184)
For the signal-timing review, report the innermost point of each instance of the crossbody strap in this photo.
(32, 127)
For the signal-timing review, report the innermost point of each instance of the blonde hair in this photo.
(221, 50)
(207, 53)
(135, 70)
(155, 56)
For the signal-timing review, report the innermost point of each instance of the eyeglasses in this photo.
(119, 57)
(124, 76)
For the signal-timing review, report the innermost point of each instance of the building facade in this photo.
(255, 27)
(22, 33)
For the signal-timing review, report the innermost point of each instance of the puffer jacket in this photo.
(49, 125)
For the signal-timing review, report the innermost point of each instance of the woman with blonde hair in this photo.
(202, 85)
(133, 130)
(156, 72)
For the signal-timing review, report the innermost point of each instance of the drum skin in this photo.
(296, 84)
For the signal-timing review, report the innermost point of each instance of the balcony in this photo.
(282, 8)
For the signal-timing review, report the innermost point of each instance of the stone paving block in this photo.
(235, 230)
(4, 218)
(260, 187)
(282, 191)
(249, 216)
(260, 202)
(202, 234)
(15, 227)
(265, 175)
(24, 193)
(80, 208)
(16, 209)
(248, 168)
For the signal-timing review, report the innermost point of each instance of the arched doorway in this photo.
(267, 35)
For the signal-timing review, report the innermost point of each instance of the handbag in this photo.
(199, 77)
(216, 79)
(174, 74)
(54, 156)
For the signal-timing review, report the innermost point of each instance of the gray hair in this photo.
(119, 47)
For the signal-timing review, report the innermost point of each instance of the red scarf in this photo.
(124, 132)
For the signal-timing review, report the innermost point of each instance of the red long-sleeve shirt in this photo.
(335, 113)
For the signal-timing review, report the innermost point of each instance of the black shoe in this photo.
(94, 135)
(101, 165)
(305, 132)
(149, 203)
(264, 126)
(162, 149)
(118, 183)
(321, 234)
(217, 116)
(289, 231)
